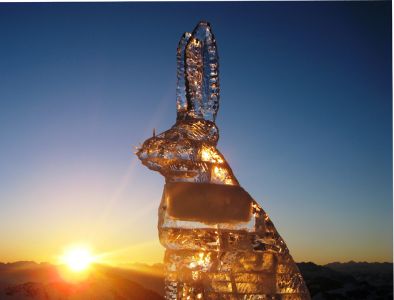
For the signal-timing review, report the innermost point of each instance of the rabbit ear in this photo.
(201, 75)
(181, 100)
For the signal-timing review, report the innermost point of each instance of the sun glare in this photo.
(78, 259)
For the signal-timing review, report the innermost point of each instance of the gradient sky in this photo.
(305, 121)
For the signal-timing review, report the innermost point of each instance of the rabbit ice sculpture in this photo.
(220, 244)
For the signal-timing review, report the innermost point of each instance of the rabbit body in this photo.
(220, 243)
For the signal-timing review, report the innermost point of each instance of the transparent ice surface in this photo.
(220, 243)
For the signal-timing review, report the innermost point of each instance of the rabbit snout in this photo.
(182, 142)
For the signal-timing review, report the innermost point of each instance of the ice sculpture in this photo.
(220, 243)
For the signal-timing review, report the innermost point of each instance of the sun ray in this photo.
(78, 258)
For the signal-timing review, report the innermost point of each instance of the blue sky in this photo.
(305, 121)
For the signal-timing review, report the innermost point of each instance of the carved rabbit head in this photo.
(187, 151)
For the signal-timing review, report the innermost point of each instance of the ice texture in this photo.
(198, 75)
(220, 243)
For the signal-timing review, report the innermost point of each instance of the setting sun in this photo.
(78, 258)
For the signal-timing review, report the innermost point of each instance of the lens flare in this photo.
(77, 259)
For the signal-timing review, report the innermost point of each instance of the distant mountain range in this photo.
(33, 281)
(349, 280)
(39, 281)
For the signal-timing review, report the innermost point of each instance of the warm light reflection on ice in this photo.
(220, 243)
